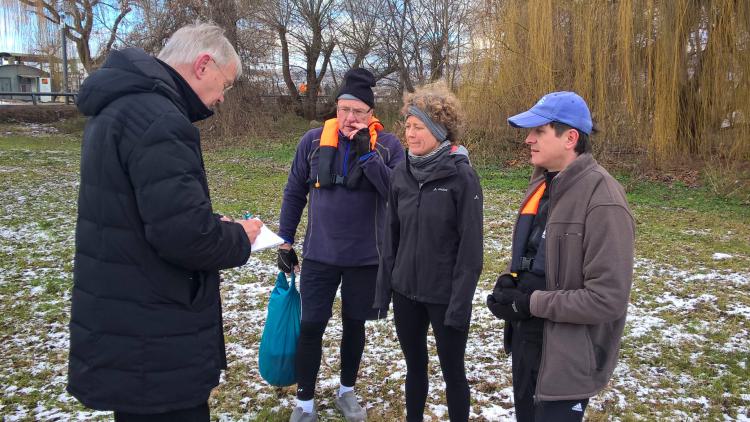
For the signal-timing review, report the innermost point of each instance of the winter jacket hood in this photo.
(132, 71)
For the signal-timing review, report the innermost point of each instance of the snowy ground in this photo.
(685, 353)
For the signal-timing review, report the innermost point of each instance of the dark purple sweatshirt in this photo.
(344, 226)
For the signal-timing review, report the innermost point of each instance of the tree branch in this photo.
(112, 36)
(34, 4)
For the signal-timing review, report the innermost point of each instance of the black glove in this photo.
(528, 282)
(505, 281)
(511, 305)
(287, 260)
(362, 142)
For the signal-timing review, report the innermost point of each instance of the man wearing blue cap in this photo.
(565, 294)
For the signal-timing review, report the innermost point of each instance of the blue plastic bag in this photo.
(278, 345)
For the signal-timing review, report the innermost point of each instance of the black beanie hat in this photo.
(358, 83)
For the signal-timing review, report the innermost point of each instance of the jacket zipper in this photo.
(308, 232)
(345, 164)
(416, 267)
(545, 326)
(430, 178)
(377, 242)
(310, 218)
(559, 262)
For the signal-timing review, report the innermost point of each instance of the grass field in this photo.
(685, 353)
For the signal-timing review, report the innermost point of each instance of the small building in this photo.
(18, 77)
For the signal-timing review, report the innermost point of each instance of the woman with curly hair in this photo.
(432, 250)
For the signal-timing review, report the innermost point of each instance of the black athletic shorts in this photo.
(319, 283)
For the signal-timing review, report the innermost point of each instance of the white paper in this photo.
(266, 239)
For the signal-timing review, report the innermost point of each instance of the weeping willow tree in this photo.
(91, 26)
(668, 78)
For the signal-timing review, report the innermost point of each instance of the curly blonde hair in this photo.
(438, 102)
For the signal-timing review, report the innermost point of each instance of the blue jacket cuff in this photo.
(366, 156)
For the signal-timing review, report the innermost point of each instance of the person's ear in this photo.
(200, 66)
(571, 138)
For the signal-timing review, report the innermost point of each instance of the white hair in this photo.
(190, 41)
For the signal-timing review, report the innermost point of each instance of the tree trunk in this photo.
(287, 74)
(224, 14)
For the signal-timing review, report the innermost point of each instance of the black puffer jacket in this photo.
(145, 329)
(432, 249)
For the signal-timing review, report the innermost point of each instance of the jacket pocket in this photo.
(605, 343)
(569, 268)
(200, 293)
(568, 360)
(590, 351)
(204, 290)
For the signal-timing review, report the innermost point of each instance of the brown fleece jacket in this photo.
(590, 238)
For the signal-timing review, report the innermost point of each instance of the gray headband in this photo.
(440, 132)
(348, 97)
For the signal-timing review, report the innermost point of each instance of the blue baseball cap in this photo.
(564, 107)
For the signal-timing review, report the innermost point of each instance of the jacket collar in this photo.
(446, 168)
(183, 95)
(568, 177)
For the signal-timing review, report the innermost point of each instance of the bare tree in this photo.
(303, 27)
(362, 38)
(224, 13)
(357, 34)
(277, 15)
(445, 24)
(424, 38)
(239, 19)
(160, 19)
(82, 25)
(406, 35)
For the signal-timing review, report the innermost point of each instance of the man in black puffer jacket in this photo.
(146, 336)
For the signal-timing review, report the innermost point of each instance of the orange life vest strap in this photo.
(532, 204)
(330, 135)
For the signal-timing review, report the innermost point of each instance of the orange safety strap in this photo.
(330, 135)
(532, 205)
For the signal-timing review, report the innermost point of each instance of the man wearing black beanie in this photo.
(344, 168)
(358, 83)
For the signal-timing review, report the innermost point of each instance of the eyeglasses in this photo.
(358, 112)
(227, 85)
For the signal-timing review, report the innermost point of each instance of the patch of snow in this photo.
(739, 309)
(697, 232)
(497, 413)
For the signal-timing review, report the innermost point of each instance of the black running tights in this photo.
(412, 320)
(310, 351)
